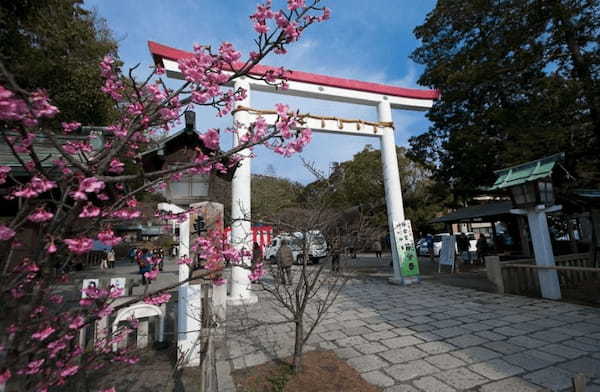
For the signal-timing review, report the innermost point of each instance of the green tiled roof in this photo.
(43, 147)
(526, 172)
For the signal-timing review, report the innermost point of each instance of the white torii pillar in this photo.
(391, 180)
(241, 228)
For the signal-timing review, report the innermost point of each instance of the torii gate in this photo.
(311, 85)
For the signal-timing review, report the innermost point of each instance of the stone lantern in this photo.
(532, 194)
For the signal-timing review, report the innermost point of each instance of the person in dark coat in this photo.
(335, 251)
(377, 249)
(482, 248)
(257, 254)
(285, 259)
(429, 239)
(463, 245)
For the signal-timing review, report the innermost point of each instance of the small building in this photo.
(179, 149)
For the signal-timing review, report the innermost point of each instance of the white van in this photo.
(437, 242)
(317, 246)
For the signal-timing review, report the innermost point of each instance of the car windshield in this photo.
(437, 238)
(317, 238)
(471, 236)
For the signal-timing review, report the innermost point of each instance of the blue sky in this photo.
(366, 40)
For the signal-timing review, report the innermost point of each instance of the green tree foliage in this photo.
(520, 79)
(272, 195)
(359, 183)
(57, 45)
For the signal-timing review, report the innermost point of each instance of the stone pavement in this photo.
(433, 337)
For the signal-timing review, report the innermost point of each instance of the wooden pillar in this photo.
(523, 235)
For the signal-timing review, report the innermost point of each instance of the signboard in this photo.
(118, 283)
(447, 253)
(89, 283)
(405, 247)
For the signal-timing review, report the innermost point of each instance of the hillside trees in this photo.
(359, 183)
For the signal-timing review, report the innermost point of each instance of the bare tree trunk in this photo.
(298, 345)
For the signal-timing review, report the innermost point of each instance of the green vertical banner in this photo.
(407, 253)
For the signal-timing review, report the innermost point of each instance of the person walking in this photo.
(335, 251)
(462, 246)
(377, 249)
(110, 257)
(104, 262)
(429, 239)
(145, 265)
(482, 248)
(161, 259)
(257, 254)
(285, 259)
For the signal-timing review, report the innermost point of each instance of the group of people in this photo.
(147, 260)
(108, 261)
(463, 248)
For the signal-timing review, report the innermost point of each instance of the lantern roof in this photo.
(526, 172)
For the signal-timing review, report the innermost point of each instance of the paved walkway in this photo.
(428, 337)
(434, 337)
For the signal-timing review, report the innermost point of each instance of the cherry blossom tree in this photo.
(72, 197)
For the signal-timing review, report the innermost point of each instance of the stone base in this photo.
(249, 300)
(404, 281)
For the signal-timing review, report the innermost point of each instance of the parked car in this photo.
(437, 243)
(317, 246)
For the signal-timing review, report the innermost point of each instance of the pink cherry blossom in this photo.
(257, 272)
(77, 322)
(89, 211)
(116, 166)
(6, 233)
(5, 376)
(33, 367)
(261, 28)
(109, 238)
(71, 370)
(41, 184)
(116, 292)
(76, 147)
(118, 130)
(151, 275)
(56, 346)
(78, 195)
(51, 248)
(184, 260)
(25, 192)
(211, 139)
(91, 185)
(126, 213)
(40, 215)
(295, 4)
(158, 299)
(79, 245)
(57, 299)
(4, 170)
(69, 127)
(43, 334)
